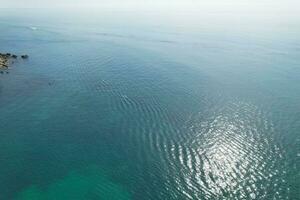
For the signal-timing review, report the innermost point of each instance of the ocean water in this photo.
(130, 108)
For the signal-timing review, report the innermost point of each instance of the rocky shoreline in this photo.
(6, 59)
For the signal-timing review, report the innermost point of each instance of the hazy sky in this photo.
(157, 4)
(267, 8)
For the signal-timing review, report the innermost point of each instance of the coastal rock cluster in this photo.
(6, 59)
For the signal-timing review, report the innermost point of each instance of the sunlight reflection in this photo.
(228, 155)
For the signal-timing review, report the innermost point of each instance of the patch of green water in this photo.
(90, 183)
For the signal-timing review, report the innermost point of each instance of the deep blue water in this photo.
(115, 110)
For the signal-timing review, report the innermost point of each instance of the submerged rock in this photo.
(24, 56)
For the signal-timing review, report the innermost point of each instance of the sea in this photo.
(129, 105)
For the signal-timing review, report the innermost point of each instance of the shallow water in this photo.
(149, 112)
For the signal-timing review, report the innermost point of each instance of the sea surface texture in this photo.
(144, 110)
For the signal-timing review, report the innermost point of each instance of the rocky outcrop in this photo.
(6, 60)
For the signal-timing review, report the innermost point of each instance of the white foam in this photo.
(33, 28)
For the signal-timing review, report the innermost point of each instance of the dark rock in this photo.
(24, 56)
(14, 56)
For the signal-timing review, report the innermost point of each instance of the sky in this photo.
(237, 5)
(187, 11)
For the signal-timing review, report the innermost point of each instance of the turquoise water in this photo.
(126, 109)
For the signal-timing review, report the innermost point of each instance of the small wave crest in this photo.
(33, 28)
